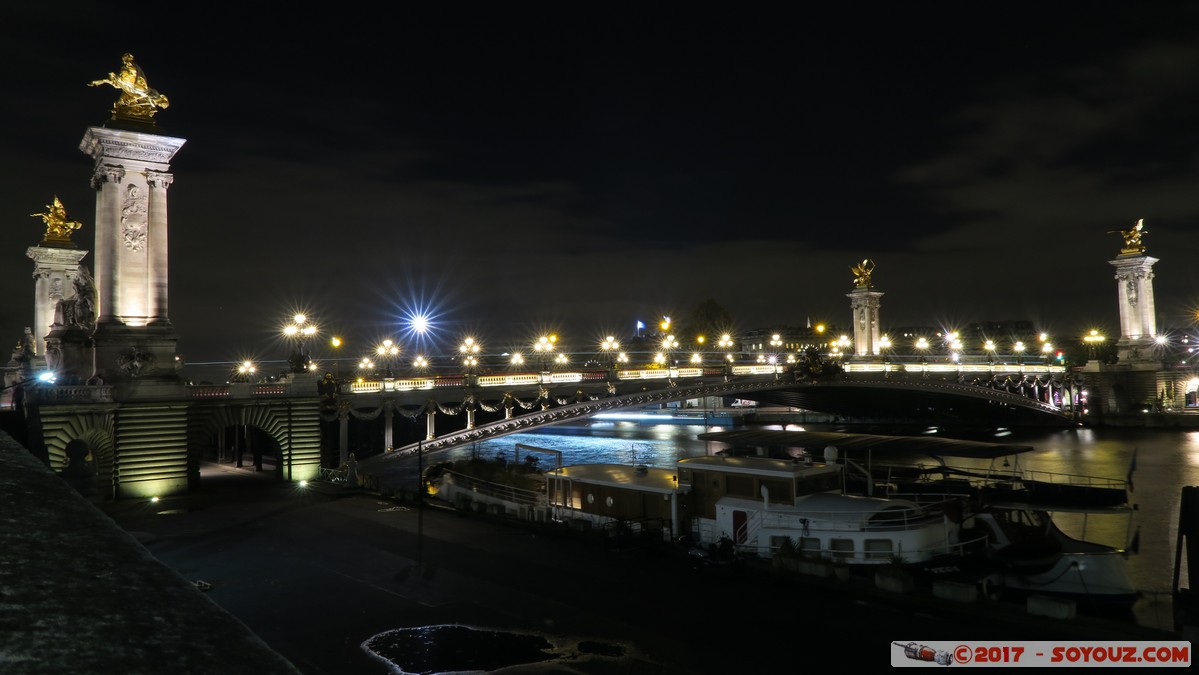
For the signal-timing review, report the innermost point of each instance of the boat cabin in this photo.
(600, 494)
(763, 504)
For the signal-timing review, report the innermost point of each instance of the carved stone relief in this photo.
(133, 218)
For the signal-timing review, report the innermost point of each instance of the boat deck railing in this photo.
(960, 549)
(891, 519)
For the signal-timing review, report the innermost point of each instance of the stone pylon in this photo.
(865, 303)
(1134, 294)
(134, 337)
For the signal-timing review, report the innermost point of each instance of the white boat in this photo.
(764, 505)
(1015, 546)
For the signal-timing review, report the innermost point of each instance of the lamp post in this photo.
(364, 366)
(1093, 340)
(1018, 348)
(884, 345)
(246, 372)
(1047, 351)
(469, 349)
(989, 347)
(387, 352)
(610, 347)
(336, 343)
(726, 344)
(299, 330)
(543, 347)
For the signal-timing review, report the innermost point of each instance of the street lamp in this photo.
(560, 361)
(1047, 351)
(610, 347)
(245, 371)
(922, 348)
(517, 361)
(544, 346)
(365, 365)
(1019, 349)
(336, 343)
(387, 352)
(299, 330)
(420, 364)
(470, 355)
(989, 346)
(1093, 340)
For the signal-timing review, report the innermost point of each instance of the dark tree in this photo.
(709, 319)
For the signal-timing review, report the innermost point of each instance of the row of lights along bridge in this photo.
(388, 359)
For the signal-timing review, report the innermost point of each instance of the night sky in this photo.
(580, 167)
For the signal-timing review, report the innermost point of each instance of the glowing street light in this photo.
(387, 352)
(517, 360)
(544, 346)
(336, 343)
(300, 329)
(246, 371)
(365, 365)
(1018, 347)
(610, 347)
(922, 348)
(470, 354)
(989, 346)
(1093, 341)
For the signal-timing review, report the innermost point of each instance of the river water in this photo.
(1165, 462)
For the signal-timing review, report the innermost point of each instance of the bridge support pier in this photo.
(387, 430)
(343, 433)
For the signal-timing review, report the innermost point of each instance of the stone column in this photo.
(387, 426)
(1134, 294)
(55, 270)
(430, 430)
(107, 183)
(343, 431)
(159, 181)
(865, 304)
(133, 339)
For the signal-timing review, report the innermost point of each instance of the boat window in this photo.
(823, 482)
(779, 490)
(841, 548)
(878, 548)
(809, 545)
(741, 486)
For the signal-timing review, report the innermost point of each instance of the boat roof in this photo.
(620, 475)
(878, 445)
(825, 505)
(760, 466)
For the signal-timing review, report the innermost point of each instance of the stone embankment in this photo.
(80, 595)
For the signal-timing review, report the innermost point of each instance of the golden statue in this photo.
(137, 100)
(1132, 238)
(861, 273)
(58, 228)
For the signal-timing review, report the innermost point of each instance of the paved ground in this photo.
(314, 573)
